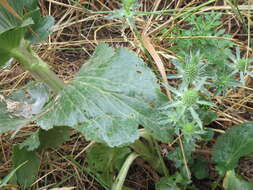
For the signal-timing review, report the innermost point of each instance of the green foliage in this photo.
(233, 182)
(8, 21)
(230, 147)
(114, 92)
(8, 178)
(240, 65)
(176, 155)
(32, 143)
(173, 182)
(53, 138)
(207, 53)
(127, 12)
(28, 150)
(185, 106)
(129, 5)
(205, 65)
(20, 109)
(105, 162)
(14, 28)
(200, 168)
(190, 97)
(191, 70)
(203, 25)
(119, 181)
(41, 28)
(10, 40)
(8, 121)
(207, 116)
(42, 139)
(27, 174)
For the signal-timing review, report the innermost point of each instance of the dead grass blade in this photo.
(158, 61)
(6, 5)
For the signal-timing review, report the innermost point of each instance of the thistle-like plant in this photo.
(224, 83)
(187, 100)
(241, 65)
(190, 131)
(191, 70)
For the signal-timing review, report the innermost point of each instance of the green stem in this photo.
(150, 152)
(30, 61)
(118, 184)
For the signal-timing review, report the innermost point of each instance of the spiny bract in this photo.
(190, 97)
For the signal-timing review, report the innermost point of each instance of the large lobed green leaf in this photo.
(107, 100)
(230, 147)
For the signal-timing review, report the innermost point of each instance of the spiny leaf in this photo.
(233, 182)
(111, 95)
(26, 175)
(229, 148)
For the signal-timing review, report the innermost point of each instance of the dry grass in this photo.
(76, 33)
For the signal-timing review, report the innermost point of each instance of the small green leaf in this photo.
(105, 162)
(10, 175)
(172, 182)
(107, 100)
(32, 143)
(207, 116)
(42, 139)
(53, 138)
(207, 135)
(233, 182)
(26, 175)
(41, 28)
(200, 169)
(234, 144)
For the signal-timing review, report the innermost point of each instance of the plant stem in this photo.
(149, 152)
(118, 184)
(156, 152)
(30, 61)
